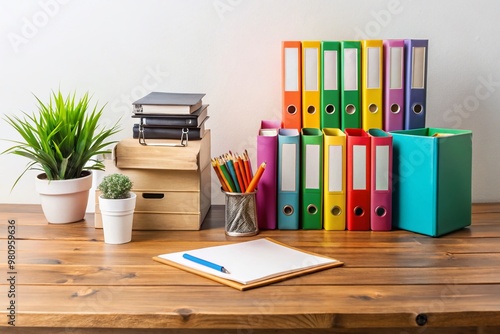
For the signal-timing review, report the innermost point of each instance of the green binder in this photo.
(312, 178)
(330, 84)
(350, 93)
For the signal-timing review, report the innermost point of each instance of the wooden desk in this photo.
(68, 279)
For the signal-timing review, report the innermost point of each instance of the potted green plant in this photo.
(62, 140)
(117, 204)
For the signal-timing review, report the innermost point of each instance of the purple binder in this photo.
(266, 197)
(394, 84)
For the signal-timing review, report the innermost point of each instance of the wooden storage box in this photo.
(173, 184)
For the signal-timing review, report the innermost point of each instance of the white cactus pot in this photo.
(117, 218)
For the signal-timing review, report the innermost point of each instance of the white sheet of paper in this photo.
(250, 261)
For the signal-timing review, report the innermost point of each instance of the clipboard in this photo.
(323, 262)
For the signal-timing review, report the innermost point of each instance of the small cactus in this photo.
(115, 186)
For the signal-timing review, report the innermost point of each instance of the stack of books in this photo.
(165, 115)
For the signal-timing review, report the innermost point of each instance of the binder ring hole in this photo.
(358, 211)
(330, 109)
(373, 108)
(291, 109)
(311, 110)
(288, 210)
(395, 108)
(336, 211)
(312, 209)
(350, 109)
(417, 108)
(153, 195)
(380, 211)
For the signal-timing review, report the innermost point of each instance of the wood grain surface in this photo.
(67, 280)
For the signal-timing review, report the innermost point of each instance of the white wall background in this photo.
(119, 50)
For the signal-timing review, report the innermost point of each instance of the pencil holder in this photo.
(241, 214)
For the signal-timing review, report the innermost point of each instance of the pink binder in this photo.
(394, 85)
(381, 180)
(266, 197)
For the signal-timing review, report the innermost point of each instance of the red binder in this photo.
(291, 63)
(381, 180)
(358, 179)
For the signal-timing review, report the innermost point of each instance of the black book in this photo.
(189, 120)
(156, 132)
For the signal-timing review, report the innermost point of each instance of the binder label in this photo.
(350, 69)
(418, 68)
(330, 70)
(288, 167)
(311, 70)
(291, 69)
(382, 167)
(359, 167)
(395, 69)
(373, 73)
(335, 168)
(312, 166)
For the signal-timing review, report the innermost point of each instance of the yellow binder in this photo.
(334, 181)
(311, 90)
(371, 84)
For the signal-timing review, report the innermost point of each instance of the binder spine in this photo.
(312, 183)
(311, 82)
(371, 92)
(381, 180)
(267, 151)
(394, 85)
(292, 84)
(330, 85)
(416, 83)
(358, 180)
(334, 203)
(288, 179)
(350, 84)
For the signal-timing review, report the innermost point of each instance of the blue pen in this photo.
(205, 263)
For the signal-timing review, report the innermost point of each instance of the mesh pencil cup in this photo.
(241, 214)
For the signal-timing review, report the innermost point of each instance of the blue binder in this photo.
(415, 83)
(288, 179)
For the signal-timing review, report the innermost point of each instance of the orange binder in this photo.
(311, 81)
(358, 179)
(291, 62)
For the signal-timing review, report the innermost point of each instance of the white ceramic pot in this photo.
(64, 201)
(117, 218)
